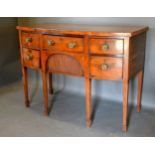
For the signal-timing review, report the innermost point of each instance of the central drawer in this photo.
(60, 43)
(106, 68)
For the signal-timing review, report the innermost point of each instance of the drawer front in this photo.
(107, 68)
(30, 40)
(60, 43)
(106, 46)
(31, 58)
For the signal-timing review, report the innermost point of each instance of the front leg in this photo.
(140, 83)
(125, 104)
(88, 103)
(45, 92)
(25, 82)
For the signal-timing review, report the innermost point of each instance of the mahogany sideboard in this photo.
(93, 52)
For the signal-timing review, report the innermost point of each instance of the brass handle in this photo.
(29, 57)
(105, 46)
(28, 40)
(72, 44)
(50, 42)
(104, 66)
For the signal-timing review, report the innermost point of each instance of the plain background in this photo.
(109, 90)
(10, 70)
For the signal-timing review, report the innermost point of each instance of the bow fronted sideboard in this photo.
(92, 52)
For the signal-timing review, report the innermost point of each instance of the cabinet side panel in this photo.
(137, 54)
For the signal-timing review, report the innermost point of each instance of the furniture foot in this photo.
(140, 83)
(88, 123)
(45, 92)
(27, 104)
(50, 84)
(125, 105)
(25, 81)
(88, 103)
(124, 128)
(46, 112)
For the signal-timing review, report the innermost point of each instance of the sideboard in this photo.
(92, 52)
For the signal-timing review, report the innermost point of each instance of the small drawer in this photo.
(30, 40)
(107, 68)
(106, 46)
(31, 58)
(60, 43)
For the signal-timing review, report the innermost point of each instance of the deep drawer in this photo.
(31, 58)
(107, 68)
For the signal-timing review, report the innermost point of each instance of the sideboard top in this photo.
(77, 29)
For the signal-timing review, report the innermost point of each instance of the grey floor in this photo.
(67, 116)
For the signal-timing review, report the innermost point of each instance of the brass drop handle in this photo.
(50, 42)
(29, 57)
(104, 66)
(105, 46)
(29, 39)
(72, 44)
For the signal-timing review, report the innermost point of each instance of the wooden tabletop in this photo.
(78, 29)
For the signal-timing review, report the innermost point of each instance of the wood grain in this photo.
(137, 54)
(62, 43)
(33, 44)
(115, 46)
(125, 105)
(88, 102)
(139, 95)
(125, 87)
(66, 64)
(122, 60)
(24, 73)
(45, 92)
(87, 82)
(34, 62)
(113, 72)
(77, 29)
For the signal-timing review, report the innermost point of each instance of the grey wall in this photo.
(9, 54)
(108, 89)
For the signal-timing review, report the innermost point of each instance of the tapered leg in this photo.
(88, 103)
(140, 83)
(25, 82)
(45, 92)
(125, 105)
(50, 83)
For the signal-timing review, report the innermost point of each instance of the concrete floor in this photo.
(67, 116)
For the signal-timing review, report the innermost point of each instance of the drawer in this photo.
(60, 43)
(106, 46)
(30, 40)
(31, 58)
(107, 68)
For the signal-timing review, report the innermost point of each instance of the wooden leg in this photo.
(45, 92)
(125, 105)
(50, 83)
(88, 103)
(25, 81)
(140, 83)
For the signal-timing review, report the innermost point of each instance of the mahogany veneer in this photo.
(94, 52)
(31, 58)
